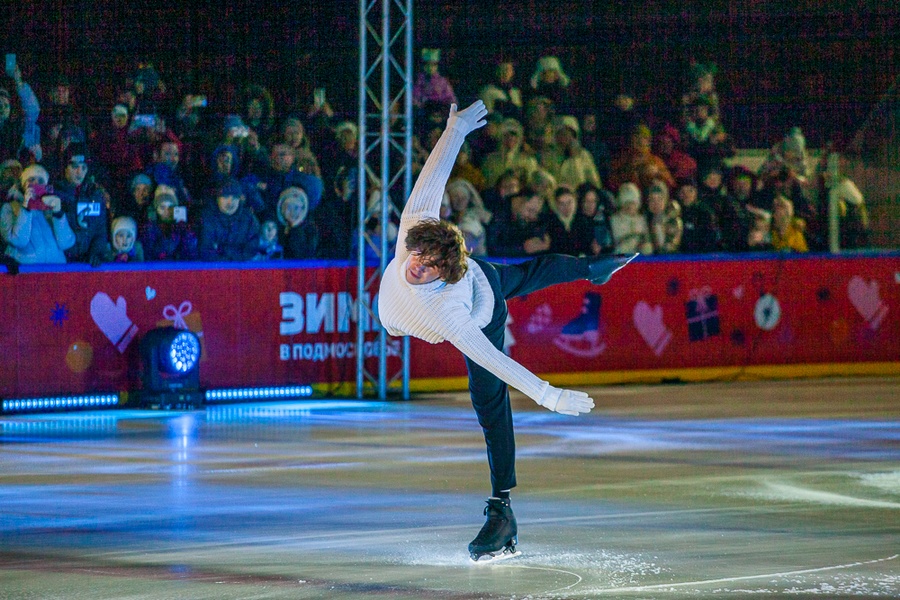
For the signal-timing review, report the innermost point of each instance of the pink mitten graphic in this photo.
(649, 323)
(864, 297)
(112, 320)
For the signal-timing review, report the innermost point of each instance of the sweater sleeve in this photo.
(425, 200)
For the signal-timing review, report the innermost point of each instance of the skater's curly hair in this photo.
(442, 244)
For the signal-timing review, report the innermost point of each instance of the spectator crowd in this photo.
(159, 179)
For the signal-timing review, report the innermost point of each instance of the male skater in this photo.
(435, 291)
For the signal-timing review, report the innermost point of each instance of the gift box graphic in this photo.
(184, 317)
(702, 312)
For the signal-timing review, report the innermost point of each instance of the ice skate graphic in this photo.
(581, 335)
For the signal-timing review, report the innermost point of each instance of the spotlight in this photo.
(170, 363)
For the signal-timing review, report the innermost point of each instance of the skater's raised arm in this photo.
(425, 200)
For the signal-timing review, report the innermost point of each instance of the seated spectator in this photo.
(55, 150)
(164, 238)
(10, 171)
(787, 230)
(620, 121)
(629, 225)
(592, 141)
(707, 141)
(60, 112)
(337, 215)
(125, 246)
(701, 88)
(165, 169)
(538, 122)
(522, 231)
(667, 145)
(759, 236)
(85, 203)
(664, 215)
(293, 133)
(229, 231)
(430, 85)
(485, 140)
(732, 216)
(701, 233)
(252, 155)
(711, 190)
(598, 205)
(570, 231)
(502, 95)
(464, 169)
(550, 81)
(115, 153)
(225, 164)
(544, 183)
(281, 174)
(259, 112)
(468, 213)
(496, 199)
(269, 246)
(20, 135)
(791, 153)
(33, 223)
(783, 182)
(299, 234)
(512, 154)
(137, 203)
(566, 160)
(638, 165)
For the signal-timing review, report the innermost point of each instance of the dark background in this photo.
(822, 65)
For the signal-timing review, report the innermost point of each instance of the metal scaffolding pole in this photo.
(385, 167)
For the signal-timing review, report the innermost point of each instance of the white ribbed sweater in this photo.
(438, 311)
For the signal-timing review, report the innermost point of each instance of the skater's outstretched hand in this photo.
(469, 119)
(566, 402)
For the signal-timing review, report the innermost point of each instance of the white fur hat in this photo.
(34, 171)
(629, 193)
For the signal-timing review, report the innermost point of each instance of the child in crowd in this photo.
(125, 245)
(299, 235)
(629, 225)
(164, 237)
(269, 247)
(664, 215)
(788, 232)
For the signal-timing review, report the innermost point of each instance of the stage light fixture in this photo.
(170, 367)
(60, 403)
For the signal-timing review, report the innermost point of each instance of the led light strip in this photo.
(60, 403)
(262, 393)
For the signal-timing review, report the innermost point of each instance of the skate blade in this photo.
(490, 557)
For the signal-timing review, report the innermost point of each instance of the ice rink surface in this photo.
(724, 490)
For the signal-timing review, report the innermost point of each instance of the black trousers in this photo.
(490, 395)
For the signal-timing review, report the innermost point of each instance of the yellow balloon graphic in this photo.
(79, 356)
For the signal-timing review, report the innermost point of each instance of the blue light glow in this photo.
(63, 402)
(224, 395)
(184, 352)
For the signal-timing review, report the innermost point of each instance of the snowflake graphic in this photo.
(59, 314)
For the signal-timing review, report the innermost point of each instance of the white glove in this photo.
(469, 119)
(566, 402)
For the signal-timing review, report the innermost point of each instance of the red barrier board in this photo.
(77, 331)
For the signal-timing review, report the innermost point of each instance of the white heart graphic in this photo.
(865, 298)
(649, 323)
(151, 293)
(738, 292)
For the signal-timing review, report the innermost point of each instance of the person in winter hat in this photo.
(629, 225)
(125, 247)
(33, 223)
(299, 234)
(229, 231)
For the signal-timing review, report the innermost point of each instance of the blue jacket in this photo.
(228, 237)
(31, 237)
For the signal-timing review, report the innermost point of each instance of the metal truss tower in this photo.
(385, 171)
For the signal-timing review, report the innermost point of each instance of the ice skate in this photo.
(602, 268)
(497, 539)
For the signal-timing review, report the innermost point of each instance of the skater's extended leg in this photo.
(552, 269)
